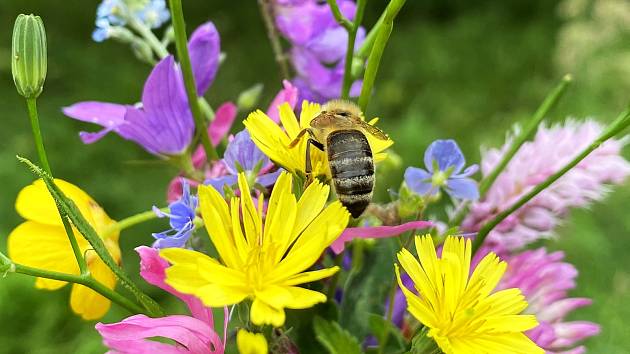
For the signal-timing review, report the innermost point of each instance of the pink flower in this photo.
(545, 281)
(552, 148)
(192, 334)
(288, 94)
(351, 233)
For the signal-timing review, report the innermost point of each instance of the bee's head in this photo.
(342, 109)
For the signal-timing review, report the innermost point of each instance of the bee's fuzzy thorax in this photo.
(343, 105)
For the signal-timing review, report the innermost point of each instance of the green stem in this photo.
(158, 47)
(339, 17)
(622, 122)
(366, 47)
(266, 11)
(79, 279)
(390, 315)
(376, 53)
(132, 221)
(31, 103)
(181, 42)
(352, 36)
(550, 101)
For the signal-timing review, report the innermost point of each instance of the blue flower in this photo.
(243, 154)
(443, 161)
(182, 216)
(116, 13)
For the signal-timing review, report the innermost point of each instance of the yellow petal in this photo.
(35, 203)
(85, 301)
(274, 296)
(216, 217)
(262, 314)
(252, 221)
(280, 218)
(307, 277)
(215, 295)
(42, 246)
(271, 140)
(304, 298)
(289, 120)
(489, 271)
(309, 111)
(251, 343)
(310, 205)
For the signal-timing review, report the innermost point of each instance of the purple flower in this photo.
(443, 161)
(545, 280)
(242, 154)
(319, 45)
(186, 334)
(551, 149)
(182, 220)
(162, 124)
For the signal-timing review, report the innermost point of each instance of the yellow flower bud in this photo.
(28, 55)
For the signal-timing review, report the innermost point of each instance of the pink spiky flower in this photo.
(545, 280)
(552, 148)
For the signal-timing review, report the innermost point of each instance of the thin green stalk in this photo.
(158, 47)
(79, 279)
(390, 315)
(622, 122)
(352, 36)
(266, 11)
(132, 221)
(31, 103)
(181, 42)
(339, 17)
(366, 47)
(378, 48)
(532, 124)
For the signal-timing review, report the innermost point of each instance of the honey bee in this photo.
(339, 131)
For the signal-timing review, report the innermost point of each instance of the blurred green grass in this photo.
(452, 69)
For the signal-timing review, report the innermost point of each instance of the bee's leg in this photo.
(299, 137)
(319, 146)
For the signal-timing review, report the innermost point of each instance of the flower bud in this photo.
(247, 99)
(28, 55)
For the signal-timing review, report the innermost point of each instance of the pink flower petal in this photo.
(152, 269)
(223, 120)
(375, 232)
(132, 334)
(288, 94)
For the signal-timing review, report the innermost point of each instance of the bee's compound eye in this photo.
(344, 114)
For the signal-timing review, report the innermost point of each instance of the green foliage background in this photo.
(453, 69)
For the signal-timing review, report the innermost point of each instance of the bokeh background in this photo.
(453, 69)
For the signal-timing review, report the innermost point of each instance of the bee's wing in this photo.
(377, 133)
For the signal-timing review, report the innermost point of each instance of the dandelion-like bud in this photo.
(28, 56)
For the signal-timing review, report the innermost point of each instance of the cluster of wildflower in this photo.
(271, 217)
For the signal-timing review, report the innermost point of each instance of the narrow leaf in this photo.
(334, 338)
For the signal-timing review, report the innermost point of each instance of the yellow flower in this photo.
(274, 142)
(41, 242)
(251, 343)
(462, 313)
(260, 262)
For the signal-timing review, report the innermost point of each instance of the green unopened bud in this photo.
(28, 56)
(248, 98)
(409, 203)
(358, 67)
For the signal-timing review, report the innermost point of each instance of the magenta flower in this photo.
(552, 148)
(319, 44)
(162, 123)
(351, 233)
(288, 94)
(192, 334)
(545, 281)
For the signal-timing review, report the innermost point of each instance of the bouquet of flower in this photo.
(275, 231)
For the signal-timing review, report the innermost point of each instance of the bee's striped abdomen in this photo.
(352, 169)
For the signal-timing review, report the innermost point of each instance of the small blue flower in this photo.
(443, 161)
(182, 216)
(116, 13)
(242, 153)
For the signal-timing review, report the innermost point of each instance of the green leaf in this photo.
(71, 211)
(386, 332)
(368, 288)
(334, 338)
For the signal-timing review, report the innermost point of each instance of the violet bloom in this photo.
(190, 334)
(162, 124)
(545, 280)
(443, 161)
(351, 233)
(182, 220)
(243, 154)
(319, 46)
(111, 14)
(551, 149)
